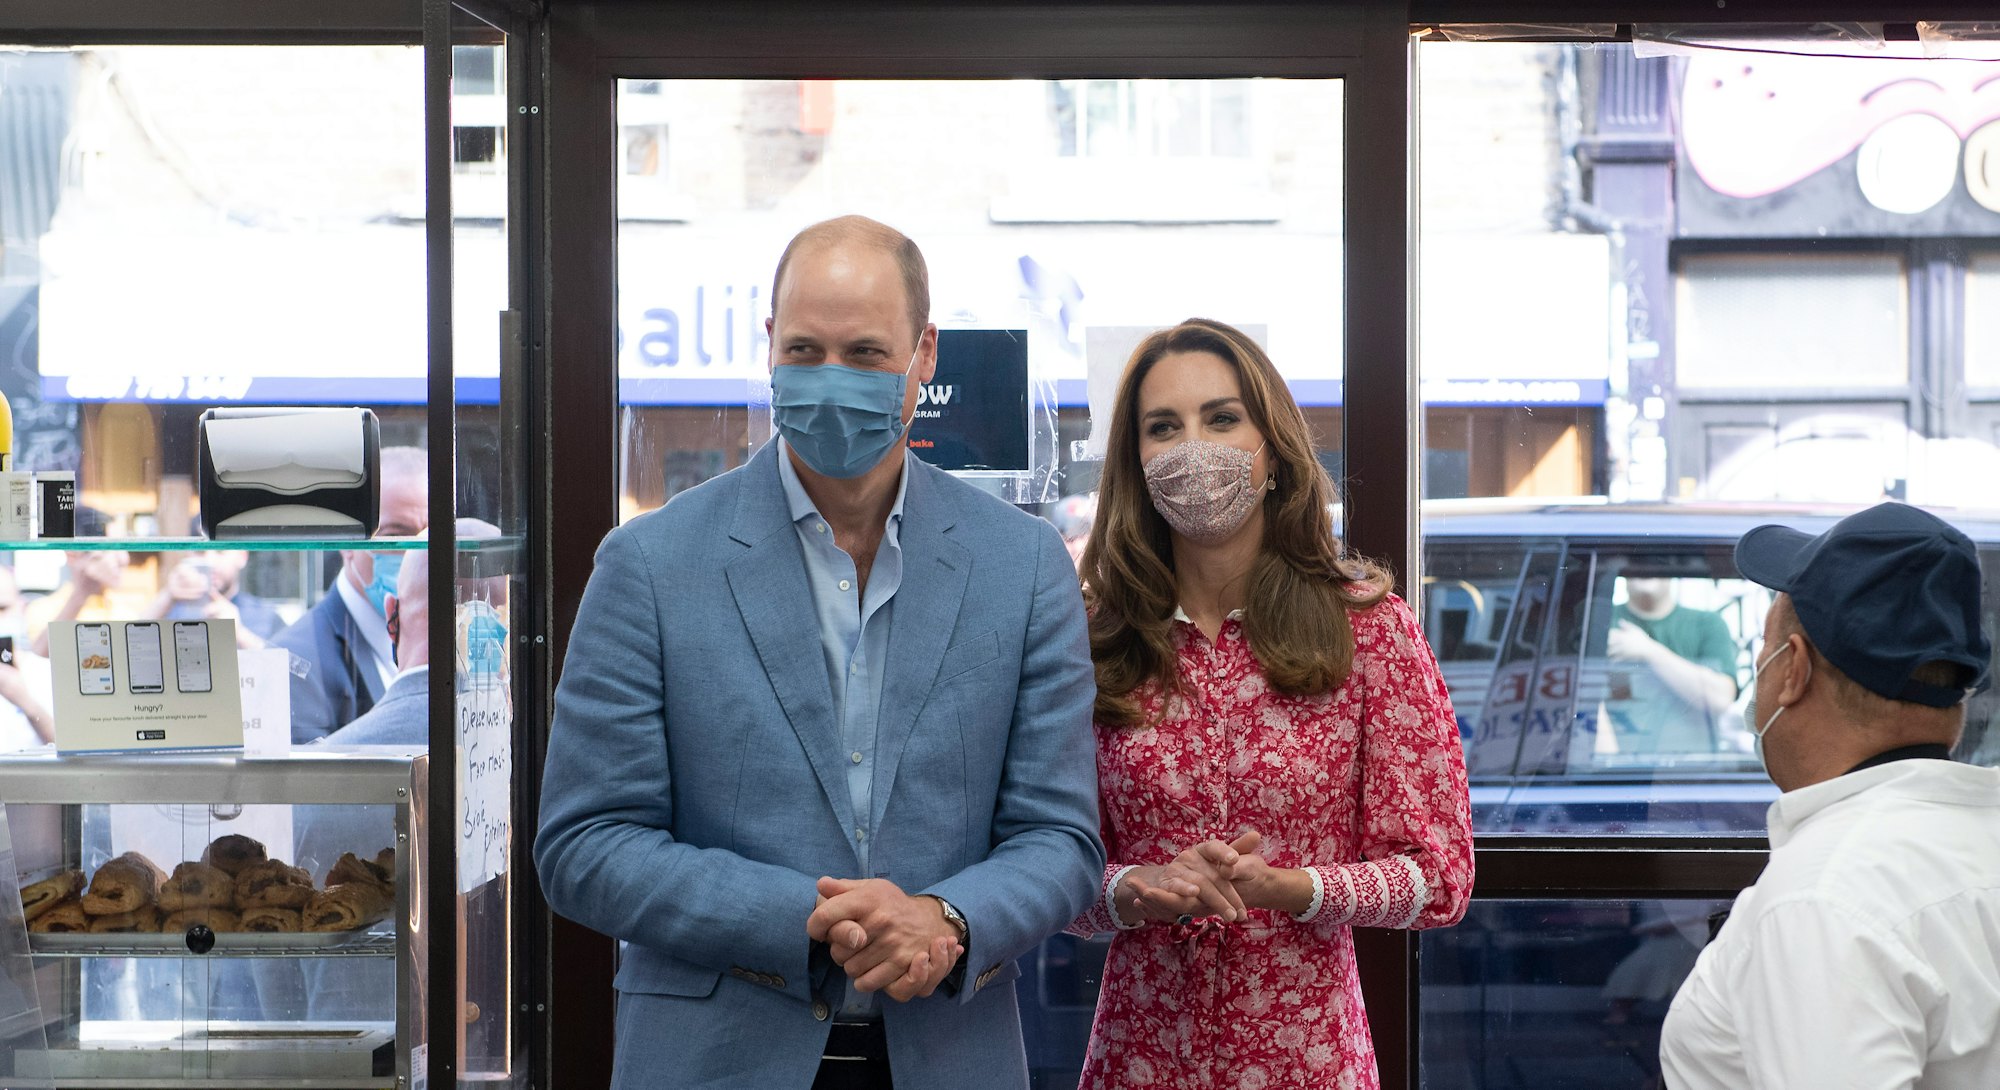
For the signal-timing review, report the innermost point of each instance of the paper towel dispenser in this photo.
(289, 473)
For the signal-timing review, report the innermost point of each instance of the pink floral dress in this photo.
(1365, 784)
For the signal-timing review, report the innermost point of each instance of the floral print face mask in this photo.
(1203, 489)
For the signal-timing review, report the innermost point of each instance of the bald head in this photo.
(862, 233)
(412, 604)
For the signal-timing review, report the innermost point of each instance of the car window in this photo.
(1468, 598)
(1665, 664)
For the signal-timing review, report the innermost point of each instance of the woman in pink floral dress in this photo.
(1278, 759)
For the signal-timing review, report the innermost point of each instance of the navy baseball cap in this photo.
(1882, 593)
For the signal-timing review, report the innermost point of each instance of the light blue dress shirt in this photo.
(854, 637)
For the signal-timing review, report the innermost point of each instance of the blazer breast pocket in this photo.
(968, 655)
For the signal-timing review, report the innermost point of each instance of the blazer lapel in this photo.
(935, 570)
(769, 585)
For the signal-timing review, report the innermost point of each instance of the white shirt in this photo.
(1868, 954)
(374, 629)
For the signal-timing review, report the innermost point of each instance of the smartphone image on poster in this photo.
(93, 660)
(191, 674)
(142, 657)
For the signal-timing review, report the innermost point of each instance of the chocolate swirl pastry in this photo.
(271, 920)
(380, 871)
(217, 919)
(50, 892)
(138, 921)
(273, 884)
(347, 907)
(65, 917)
(232, 853)
(128, 882)
(198, 885)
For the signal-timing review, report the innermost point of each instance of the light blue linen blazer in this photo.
(695, 785)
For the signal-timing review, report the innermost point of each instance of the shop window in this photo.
(1555, 995)
(1646, 325)
(762, 158)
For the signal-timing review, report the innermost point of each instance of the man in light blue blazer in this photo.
(822, 752)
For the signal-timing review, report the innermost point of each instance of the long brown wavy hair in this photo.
(1302, 584)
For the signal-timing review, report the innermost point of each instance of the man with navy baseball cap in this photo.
(1868, 953)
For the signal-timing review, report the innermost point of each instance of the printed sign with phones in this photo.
(112, 693)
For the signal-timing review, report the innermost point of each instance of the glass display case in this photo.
(208, 920)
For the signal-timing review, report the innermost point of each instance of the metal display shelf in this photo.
(228, 944)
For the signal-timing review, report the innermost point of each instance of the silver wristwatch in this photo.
(953, 917)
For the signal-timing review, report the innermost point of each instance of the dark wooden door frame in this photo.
(591, 45)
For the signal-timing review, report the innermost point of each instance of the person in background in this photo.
(364, 988)
(91, 590)
(821, 751)
(25, 696)
(1686, 676)
(209, 586)
(1867, 954)
(1072, 517)
(342, 656)
(1278, 758)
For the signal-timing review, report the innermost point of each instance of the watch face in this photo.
(951, 914)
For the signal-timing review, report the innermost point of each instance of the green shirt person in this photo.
(1684, 676)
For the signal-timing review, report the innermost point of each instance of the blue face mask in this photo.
(387, 567)
(841, 420)
(484, 651)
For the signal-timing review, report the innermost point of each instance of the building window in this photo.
(1156, 118)
(1793, 321)
(1152, 150)
(1982, 321)
(645, 179)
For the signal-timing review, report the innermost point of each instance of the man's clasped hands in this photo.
(887, 940)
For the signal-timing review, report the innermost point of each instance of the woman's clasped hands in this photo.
(1224, 879)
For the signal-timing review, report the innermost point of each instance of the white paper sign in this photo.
(267, 701)
(485, 781)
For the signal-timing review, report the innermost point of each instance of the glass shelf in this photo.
(198, 544)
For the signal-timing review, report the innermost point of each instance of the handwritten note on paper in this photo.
(485, 784)
(265, 675)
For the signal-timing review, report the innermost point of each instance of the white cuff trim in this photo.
(1111, 899)
(1422, 890)
(1319, 898)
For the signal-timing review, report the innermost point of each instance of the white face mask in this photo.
(1750, 709)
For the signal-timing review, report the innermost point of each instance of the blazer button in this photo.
(821, 1012)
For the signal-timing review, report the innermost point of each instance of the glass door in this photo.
(482, 118)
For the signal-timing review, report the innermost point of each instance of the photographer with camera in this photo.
(208, 586)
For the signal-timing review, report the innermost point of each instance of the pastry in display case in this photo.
(208, 920)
